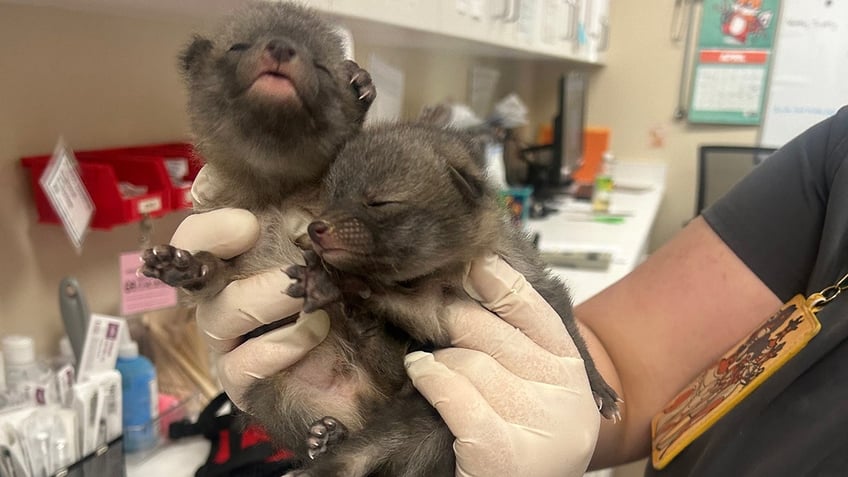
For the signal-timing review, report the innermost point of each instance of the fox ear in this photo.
(471, 186)
(194, 54)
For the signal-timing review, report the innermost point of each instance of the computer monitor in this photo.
(569, 124)
(550, 167)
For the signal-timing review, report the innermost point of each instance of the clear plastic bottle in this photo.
(21, 367)
(2, 374)
(64, 366)
(602, 191)
(140, 398)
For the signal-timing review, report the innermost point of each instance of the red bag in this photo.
(236, 451)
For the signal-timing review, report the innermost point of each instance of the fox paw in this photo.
(323, 433)
(361, 81)
(312, 283)
(173, 266)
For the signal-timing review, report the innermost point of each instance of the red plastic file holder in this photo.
(180, 188)
(101, 178)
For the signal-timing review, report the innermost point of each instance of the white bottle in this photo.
(66, 352)
(19, 361)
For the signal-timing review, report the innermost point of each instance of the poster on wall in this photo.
(806, 87)
(732, 61)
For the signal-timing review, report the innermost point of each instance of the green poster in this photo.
(732, 61)
(735, 24)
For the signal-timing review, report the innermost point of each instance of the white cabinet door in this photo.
(470, 19)
(559, 26)
(416, 14)
(534, 27)
(596, 18)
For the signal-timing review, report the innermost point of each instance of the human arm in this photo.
(717, 280)
(653, 331)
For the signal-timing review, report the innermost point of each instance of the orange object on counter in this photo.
(595, 143)
(545, 134)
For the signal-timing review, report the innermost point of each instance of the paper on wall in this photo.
(67, 194)
(389, 82)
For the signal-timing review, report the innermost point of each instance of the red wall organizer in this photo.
(101, 171)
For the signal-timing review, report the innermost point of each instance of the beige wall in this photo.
(637, 93)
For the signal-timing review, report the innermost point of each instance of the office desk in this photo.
(639, 192)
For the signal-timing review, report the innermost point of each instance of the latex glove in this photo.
(513, 390)
(247, 304)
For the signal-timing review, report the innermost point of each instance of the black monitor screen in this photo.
(568, 128)
(550, 167)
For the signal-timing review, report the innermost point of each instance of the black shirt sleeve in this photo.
(774, 218)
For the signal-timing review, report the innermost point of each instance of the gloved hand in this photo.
(513, 389)
(247, 304)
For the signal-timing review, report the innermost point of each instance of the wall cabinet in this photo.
(569, 30)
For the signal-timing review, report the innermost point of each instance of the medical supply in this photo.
(141, 398)
(66, 352)
(2, 374)
(19, 361)
(98, 402)
(64, 368)
(44, 436)
(100, 351)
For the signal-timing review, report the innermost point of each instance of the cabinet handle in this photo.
(512, 11)
(571, 10)
(688, 7)
(604, 43)
(503, 11)
(677, 17)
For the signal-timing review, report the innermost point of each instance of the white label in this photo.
(495, 164)
(100, 352)
(154, 399)
(67, 194)
(147, 206)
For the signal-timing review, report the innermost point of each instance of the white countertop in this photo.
(176, 459)
(637, 196)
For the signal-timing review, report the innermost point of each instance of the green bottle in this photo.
(602, 191)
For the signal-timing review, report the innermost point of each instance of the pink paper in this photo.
(139, 293)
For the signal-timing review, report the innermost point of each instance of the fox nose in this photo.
(317, 230)
(280, 50)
